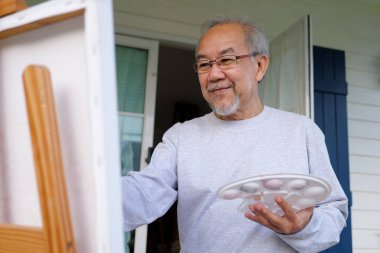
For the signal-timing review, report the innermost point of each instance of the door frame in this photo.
(141, 233)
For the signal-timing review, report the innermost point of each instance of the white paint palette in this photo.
(300, 191)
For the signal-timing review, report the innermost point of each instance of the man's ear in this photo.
(262, 64)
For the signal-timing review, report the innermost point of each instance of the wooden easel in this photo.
(56, 235)
(11, 6)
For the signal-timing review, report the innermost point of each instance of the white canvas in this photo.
(81, 65)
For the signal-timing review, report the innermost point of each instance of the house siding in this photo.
(351, 26)
(364, 148)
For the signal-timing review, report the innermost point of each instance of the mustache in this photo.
(218, 85)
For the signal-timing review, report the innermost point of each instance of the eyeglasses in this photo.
(223, 62)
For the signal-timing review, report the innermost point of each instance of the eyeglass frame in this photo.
(211, 63)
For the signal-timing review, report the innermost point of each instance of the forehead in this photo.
(221, 39)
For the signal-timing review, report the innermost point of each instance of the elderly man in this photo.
(240, 138)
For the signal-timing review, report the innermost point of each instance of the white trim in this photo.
(141, 233)
(308, 77)
(124, 40)
(133, 114)
(311, 68)
(176, 41)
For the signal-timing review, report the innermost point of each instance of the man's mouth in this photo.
(217, 88)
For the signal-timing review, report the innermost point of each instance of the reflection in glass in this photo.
(131, 128)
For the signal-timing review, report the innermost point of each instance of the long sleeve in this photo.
(329, 218)
(198, 157)
(149, 193)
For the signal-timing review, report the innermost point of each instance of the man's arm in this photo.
(312, 229)
(149, 193)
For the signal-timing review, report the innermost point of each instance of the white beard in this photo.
(228, 109)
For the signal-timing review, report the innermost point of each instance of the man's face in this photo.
(222, 88)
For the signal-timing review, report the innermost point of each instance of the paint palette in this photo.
(300, 191)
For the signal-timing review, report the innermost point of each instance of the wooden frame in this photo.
(56, 234)
(11, 6)
(23, 239)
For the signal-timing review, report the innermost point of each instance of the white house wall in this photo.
(352, 26)
(364, 143)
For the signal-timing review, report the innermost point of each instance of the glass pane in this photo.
(131, 66)
(129, 241)
(131, 128)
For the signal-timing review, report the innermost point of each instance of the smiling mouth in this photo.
(216, 89)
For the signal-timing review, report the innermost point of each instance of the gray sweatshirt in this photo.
(197, 157)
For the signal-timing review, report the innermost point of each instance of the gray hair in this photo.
(255, 37)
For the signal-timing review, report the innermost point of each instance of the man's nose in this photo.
(215, 72)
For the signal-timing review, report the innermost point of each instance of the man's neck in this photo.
(243, 114)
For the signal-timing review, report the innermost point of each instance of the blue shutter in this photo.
(330, 92)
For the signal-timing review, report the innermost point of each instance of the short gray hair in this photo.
(255, 37)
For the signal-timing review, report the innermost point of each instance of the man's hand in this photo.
(291, 222)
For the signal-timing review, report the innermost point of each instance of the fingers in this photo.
(291, 222)
(286, 208)
(263, 216)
